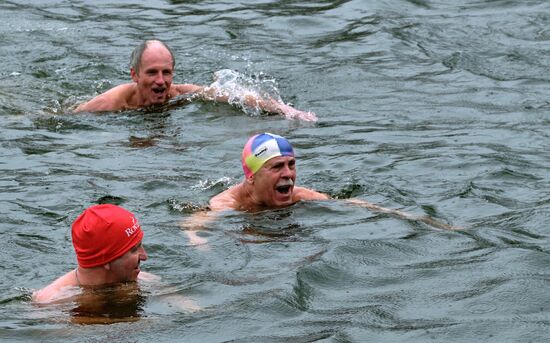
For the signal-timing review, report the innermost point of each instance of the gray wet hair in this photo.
(135, 58)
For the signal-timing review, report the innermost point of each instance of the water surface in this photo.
(433, 107)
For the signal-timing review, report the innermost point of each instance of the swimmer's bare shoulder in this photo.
(301, 193)
(115, 99)
(55, 290)
(226, 200)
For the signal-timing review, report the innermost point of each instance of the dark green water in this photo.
(432, 107)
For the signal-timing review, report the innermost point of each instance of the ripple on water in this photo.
(430, 107)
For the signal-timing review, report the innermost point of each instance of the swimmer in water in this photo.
(270, 178)
(107, 241)
(152, 70)
(269, 168)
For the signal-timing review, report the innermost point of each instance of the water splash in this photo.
(210, 184)
(237, 87)
(186, 207)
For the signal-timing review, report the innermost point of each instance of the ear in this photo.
(107, 266)
(134, 75)
(250, 180)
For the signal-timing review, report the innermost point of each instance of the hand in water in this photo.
(424, 219)
(145, 276)
(290, 112)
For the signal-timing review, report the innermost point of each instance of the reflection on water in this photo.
(432, 108)
(108, 305)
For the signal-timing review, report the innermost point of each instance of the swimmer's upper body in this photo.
(107, 241)
(152, 72)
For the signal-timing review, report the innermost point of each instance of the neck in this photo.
(92, 276)
(135, 100)
(248, 199)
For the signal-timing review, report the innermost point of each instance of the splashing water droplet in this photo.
(237, 87)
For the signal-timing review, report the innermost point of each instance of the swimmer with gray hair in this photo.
(152, 67)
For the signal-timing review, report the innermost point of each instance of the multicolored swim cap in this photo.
(261, 148)
(103, 233)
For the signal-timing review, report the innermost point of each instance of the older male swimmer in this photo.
(270, 178)
(269, 166)
(152, 70)
(107, 242)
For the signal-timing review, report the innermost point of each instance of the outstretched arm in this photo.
(424, 219)
(196, 223)
(252, 100)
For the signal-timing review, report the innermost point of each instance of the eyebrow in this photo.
(279, 163)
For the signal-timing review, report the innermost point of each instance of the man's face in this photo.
(155, 75)
(274, 182)
(126, 267)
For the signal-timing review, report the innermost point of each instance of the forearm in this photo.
(247, 99)
(194, 224)
(424, 219)
(251, 100)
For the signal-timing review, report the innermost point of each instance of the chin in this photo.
(134, 276)
(282, 203)
(283, 200)
(158, 102)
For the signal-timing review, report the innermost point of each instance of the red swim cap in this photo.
(103, 233)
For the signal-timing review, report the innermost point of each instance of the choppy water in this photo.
(433, 107)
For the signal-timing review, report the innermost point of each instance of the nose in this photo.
(142, 254)
(159, 78)
(286, 171)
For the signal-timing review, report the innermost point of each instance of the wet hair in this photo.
(135, 57)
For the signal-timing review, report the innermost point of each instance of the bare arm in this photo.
(251, 100)
(167, 294)
(97, 104)
(115, 99)
(62, 287)
(196, 223)
(424, 219)
(305, 194)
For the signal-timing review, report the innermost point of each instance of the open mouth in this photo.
(159, 90)
(284, 187)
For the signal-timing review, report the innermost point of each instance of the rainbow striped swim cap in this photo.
(261, 148)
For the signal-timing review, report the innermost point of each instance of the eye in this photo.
(277, 166)
(135, 248)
